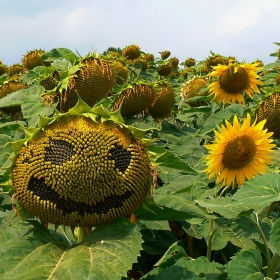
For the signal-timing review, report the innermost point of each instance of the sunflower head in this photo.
(278, 80)
(165, 100)
(164, 69)
(120, 71)
(234, 79)
(189, 62)
(149, 57)
(174, 62)
(239, 152)
(81, 168)
(269, 110)
(213, 60)
(192, 88)
(3, 68)
(165, 54)
(15, 69)
(33, 58)
(131, 52)
(135, 98)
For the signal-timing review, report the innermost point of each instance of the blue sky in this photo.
(245, 29)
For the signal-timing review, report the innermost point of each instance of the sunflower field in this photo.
(132, 165)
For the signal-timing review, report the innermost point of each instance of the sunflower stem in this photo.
(267, 252)
(272, 267)
(222, 192)
(209, 245)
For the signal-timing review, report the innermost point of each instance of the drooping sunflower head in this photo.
(239, 152)
(277, 80)
(3, 68)
(135, 98)
(15, 69)
(8, 87)
(93, 81)
(81, 169)
(213, 60)
(131, 52)
(33, 58)
(120, 71)
(232, 80)
(149, 57)
(174, 61)
(165, 100)
(189, 62)
(269, 110)
(192, 88)
(164, 69)
(165, 54)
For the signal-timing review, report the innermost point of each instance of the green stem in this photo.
(272, 267)
(267, 252)
(209, 245)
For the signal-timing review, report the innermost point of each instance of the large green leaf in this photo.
(5, 150)
(204, 268)
(150, 211)
(275, 236)
(245, 265)
(59, 54)
(224, 206)
(14, 98)
(258, 193)
(34, 105)
(216, 119)
(239, 232)
(174, 253)
(156, 242)
(107, 253)
(171, 272)
(178, 196)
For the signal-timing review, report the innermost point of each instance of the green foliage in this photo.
(188, 226)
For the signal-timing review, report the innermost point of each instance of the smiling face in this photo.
(78, 172)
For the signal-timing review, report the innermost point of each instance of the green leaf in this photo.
(11, 128)
(33, 106)
(275, 236)
(150, 211)
(14, 98)
(156, 242)
(216, 119)
(108, 253)
(174, 252)
(6, 150)
(239, 232)
(223, 205)
(178, 196)
(172, 161)
(203, 267)
(246, 264)
(258, 193)
(172, 272)
(59, 54)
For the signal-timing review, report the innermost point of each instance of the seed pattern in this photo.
(59, 152)
(121, 156)
(78, 172)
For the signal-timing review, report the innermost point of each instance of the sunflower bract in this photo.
(80, 172)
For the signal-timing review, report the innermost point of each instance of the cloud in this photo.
(243, 15)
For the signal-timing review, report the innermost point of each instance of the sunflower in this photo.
(233, 79)
(239, 152)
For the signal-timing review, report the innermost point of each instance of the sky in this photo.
(246, 29)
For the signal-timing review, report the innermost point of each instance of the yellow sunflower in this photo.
(233, 79)
(239, 152)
